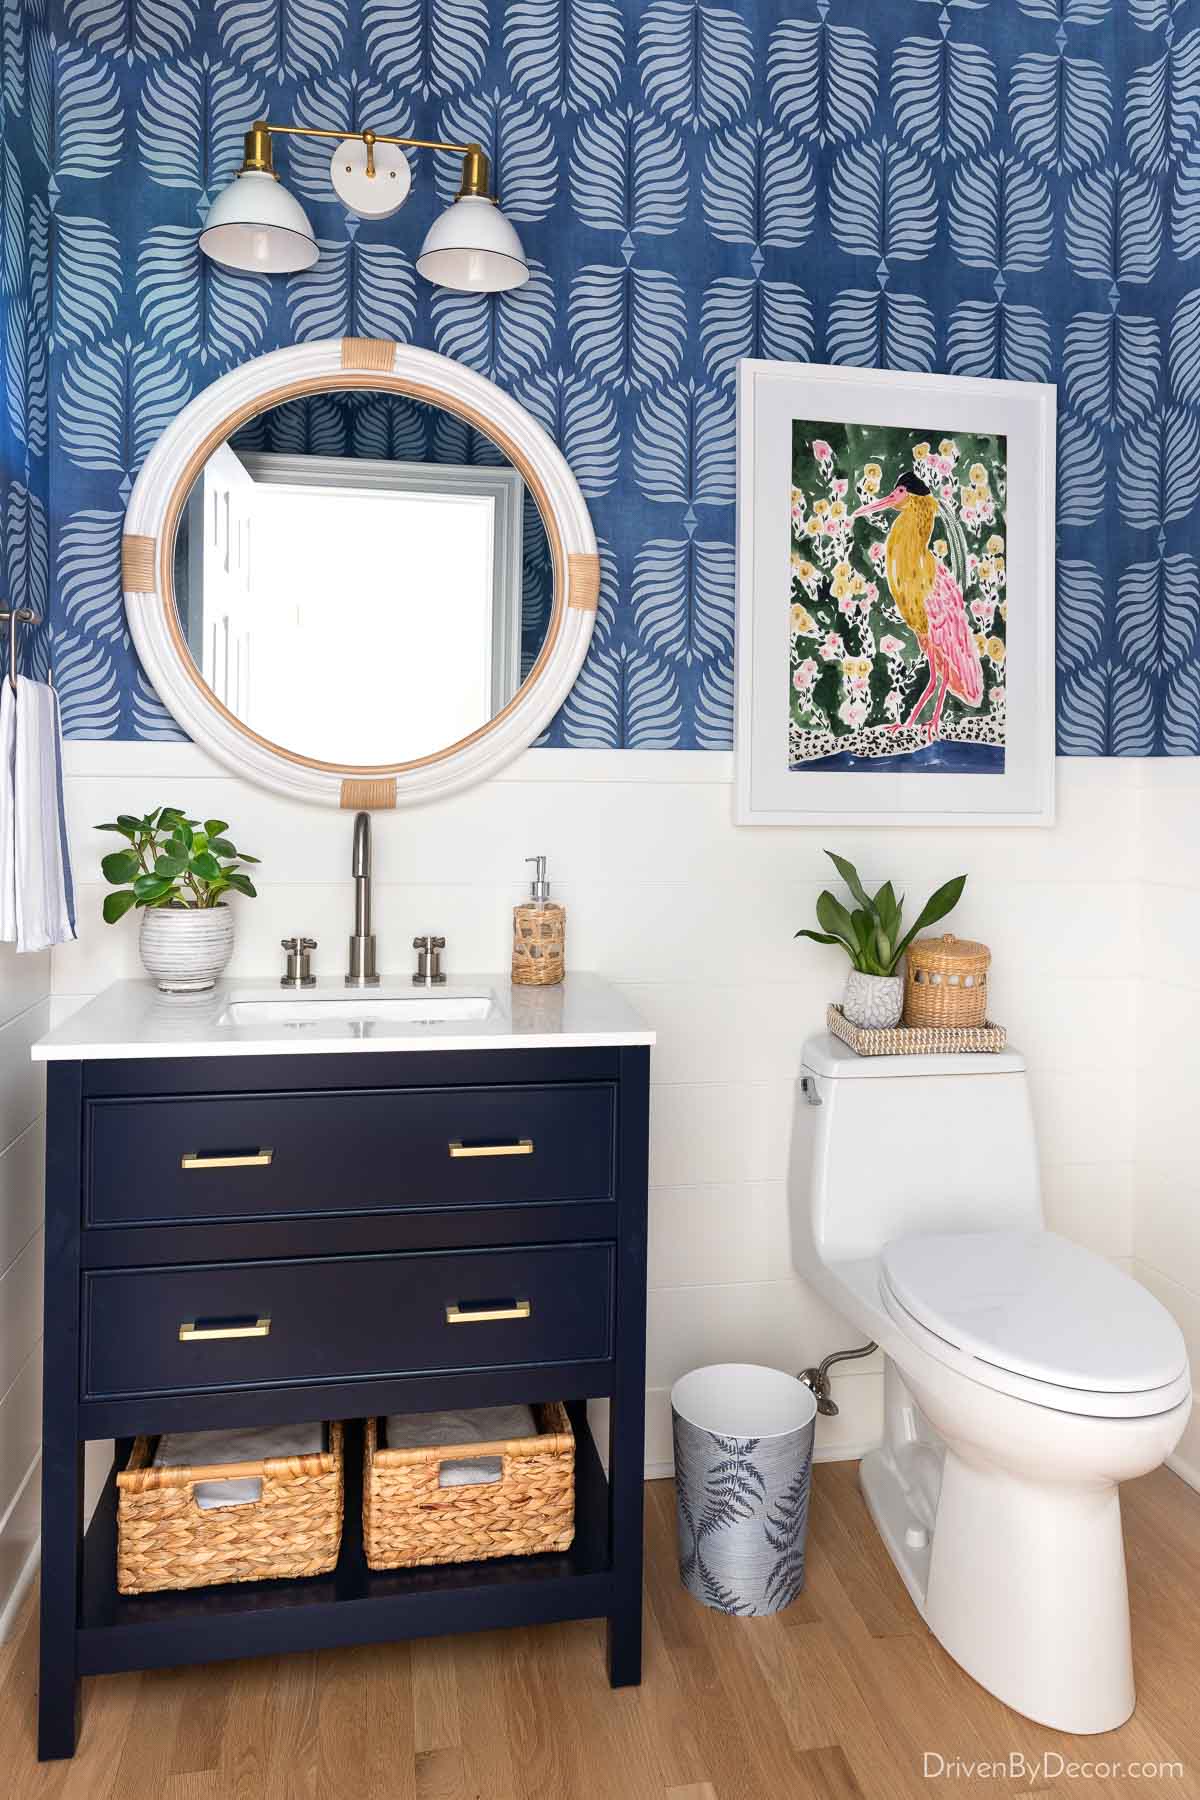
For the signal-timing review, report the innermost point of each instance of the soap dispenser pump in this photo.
(539, 933)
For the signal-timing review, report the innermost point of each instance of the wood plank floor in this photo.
(836, 1699)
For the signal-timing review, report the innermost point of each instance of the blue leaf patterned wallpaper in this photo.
(24, 355)
(990, 187)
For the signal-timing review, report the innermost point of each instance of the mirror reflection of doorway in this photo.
(366, 611)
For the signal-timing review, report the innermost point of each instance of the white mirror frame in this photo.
(148, 547)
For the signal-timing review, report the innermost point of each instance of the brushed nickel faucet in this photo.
(361, 971)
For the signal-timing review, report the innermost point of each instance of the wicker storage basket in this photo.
(946, 982)
(409, 1519)
(165, 1540)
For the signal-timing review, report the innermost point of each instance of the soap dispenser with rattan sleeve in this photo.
(539, 933)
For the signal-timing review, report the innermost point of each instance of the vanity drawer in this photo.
(149, 1331)
(383, 1150)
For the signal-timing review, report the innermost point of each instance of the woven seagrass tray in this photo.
(916, 1040)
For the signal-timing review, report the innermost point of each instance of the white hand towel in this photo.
(475, 1425)
(8, 826)
(45, 893)
(197, 1449)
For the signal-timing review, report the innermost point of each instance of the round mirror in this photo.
(362, 577)
(360, 572)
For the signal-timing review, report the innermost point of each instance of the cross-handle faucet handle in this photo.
(429, 961)
(298, 968)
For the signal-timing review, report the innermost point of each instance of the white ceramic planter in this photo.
(185, 948)
(874, 1001)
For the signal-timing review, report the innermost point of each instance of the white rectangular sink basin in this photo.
(323, 1009)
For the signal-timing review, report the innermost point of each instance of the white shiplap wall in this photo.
(1093, 925)
(24, 1015)
(694, 918)
(1164, 1059)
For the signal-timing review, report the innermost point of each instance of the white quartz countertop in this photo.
(133, 1019)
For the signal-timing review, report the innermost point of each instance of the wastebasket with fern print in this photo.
(743, 1461)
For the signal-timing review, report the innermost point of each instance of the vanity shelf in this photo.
(364, 1263)
(353, 1604)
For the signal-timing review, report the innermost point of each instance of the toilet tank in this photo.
(901, 1144)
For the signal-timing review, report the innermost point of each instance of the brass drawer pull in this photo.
(518, 1147)
(195, 1331)
(486, 1311)
(236, 1159)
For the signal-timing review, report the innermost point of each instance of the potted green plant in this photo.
(870, 935)
(177, 871)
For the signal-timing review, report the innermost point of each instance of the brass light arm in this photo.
(255, 225)
(476, 170)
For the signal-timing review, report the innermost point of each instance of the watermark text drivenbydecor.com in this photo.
(1052, 1765)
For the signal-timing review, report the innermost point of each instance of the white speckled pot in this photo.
(875, 1001)
(185, 948)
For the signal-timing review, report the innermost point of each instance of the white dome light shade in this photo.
(256, 225)
(473, 248)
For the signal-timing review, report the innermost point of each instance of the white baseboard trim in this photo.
(18, 1497)
(20, 1587)
(1186, 1470)
(844, 1452)
(20, 1517)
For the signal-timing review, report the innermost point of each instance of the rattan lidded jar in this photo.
(946, 981)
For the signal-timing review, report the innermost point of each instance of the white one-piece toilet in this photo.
(1024, 1376)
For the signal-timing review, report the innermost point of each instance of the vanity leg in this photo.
(626, 1455)
(627, 1409)
(62, 1521)
(62, 1447)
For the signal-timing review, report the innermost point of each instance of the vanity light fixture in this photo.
(256, 225)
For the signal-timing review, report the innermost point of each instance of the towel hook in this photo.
(12, 617)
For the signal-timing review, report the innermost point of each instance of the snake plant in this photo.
(870, 933)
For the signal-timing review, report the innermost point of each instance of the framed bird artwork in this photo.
(895, 598)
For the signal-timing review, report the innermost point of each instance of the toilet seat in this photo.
(1030, 1314)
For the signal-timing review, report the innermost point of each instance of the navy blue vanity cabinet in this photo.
(354, 1200)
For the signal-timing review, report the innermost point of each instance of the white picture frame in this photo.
(768, 789)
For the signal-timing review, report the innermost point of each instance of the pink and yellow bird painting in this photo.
(930, 602)
(899, 600)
